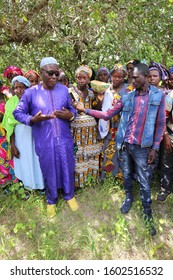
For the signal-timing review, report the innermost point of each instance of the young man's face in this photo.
(139, 79)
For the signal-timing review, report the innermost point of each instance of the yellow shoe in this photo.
(51, 210)
(73, 204)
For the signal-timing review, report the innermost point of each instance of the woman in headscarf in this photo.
(26, 164)
(103, 75)
(84, 130)
(10, 72)
(158, 75)
(7, 175)
(108, 129)
(33, 77)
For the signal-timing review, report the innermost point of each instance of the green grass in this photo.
(97, 231)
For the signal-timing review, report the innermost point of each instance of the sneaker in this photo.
(163, 195)
(127, 204)
(73, 204)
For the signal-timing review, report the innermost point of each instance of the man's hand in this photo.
(78, 106)
(167, 143)
(39, 117)
(152, 156)
(63, 114)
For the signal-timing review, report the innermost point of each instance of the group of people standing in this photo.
(111, 123)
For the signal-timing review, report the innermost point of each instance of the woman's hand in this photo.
(15, 152)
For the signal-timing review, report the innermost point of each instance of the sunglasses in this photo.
(51, 73)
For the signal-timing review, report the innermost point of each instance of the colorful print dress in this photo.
(6, 163)
(108, 130)
(84, 132)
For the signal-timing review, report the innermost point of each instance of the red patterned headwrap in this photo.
(12, 70)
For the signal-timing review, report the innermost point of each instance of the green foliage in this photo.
(18, 192)
(90, 181)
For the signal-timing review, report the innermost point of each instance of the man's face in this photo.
(139, 79)
(50, 74)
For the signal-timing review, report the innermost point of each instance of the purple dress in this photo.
(53, 140)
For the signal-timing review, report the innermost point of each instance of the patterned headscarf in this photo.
(84, 68)
(12, 70)
(31, 72)
(163, 72)
(119, 66)
(103, 69)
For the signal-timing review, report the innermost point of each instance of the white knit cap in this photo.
(48, 60)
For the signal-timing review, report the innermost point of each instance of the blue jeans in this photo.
(134, 160)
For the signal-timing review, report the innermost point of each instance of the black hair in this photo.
(142, 68)
(135, 62)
